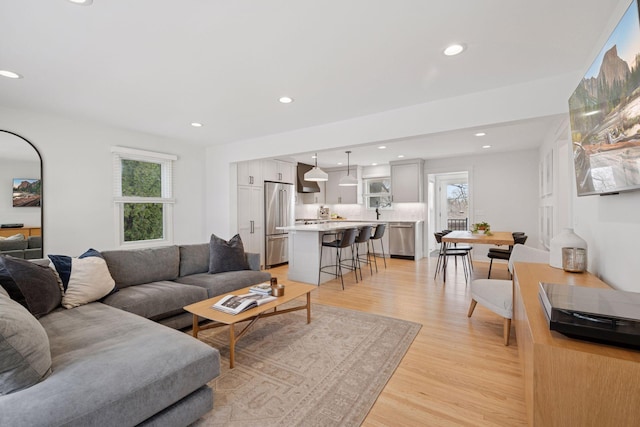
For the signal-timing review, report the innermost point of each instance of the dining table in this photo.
(491, 238)
(468, 237)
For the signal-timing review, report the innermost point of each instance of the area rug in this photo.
(290, 373)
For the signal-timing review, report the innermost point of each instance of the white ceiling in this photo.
(155, 66)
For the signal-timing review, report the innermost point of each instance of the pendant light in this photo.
(316, 174)
(348, 180)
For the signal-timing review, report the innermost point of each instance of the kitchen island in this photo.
(305, 241)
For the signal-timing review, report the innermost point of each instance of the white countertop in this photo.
(328, 226)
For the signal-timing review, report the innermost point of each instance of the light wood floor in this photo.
(457, 371)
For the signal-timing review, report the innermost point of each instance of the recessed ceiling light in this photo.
(480, 134)
(400, 156)
(454, 49)
(82, 2)
(374, 164)
(486, 146)
(196, 125)
(314, 157)
(286, 100)
(10, 74)
(339, 163)
(382, 147)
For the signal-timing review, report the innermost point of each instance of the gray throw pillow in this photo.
(25, 356)
(226, 256)
(33, 286)
(194, 259)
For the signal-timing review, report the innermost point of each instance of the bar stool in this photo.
(347, 240)
(378, 236)
(364, 235)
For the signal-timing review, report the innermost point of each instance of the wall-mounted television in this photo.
(26, 192)
(605, 114)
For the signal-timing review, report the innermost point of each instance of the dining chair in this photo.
(444, 253)
(505, 255)
(497, 294)
(515, 235)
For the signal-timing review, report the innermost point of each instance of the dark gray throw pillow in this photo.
(226, 256)
(25, 355)
(34, 286)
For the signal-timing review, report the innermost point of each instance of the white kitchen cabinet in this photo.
(335, 194)
(279, 171)
(250, 173)
(250, 219)
(407, 177)
(315, 198)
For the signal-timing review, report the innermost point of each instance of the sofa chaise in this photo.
(114, 362)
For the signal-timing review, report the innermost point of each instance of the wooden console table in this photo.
(570, 382)
(25, 231)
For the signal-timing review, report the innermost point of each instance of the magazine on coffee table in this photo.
(234, 304)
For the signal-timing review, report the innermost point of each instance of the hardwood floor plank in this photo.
(458, 370)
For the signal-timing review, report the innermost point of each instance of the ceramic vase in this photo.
(566, 239)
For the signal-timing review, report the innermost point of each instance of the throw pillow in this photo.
(33, 286)
(84, 279)
(226, 256)
(15, 237)
(25, 356)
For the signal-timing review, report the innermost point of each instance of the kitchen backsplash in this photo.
(400, 212)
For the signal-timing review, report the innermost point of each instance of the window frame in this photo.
(166, 199)
(367, 196)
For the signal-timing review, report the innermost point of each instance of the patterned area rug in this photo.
(326, 373)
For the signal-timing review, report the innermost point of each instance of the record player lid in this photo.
(596, 301)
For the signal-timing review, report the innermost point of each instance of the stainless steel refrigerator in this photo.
(279, 212)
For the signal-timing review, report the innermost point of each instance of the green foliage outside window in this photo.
(141, 179)
(142, 221)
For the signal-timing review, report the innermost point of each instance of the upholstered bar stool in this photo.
(364, 235)
(346, 240)
(377, 235)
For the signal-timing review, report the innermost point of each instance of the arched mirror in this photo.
(21, 217)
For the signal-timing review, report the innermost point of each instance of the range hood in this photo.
(305, 186)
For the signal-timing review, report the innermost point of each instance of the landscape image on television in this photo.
(605, 114)
(26, 192)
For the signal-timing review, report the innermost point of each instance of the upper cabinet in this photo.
(250, 173)
(279, 171)
(407, 177)
(335, 194)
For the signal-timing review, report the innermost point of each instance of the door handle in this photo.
(251, 228)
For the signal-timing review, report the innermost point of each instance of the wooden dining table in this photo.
(494, 238)
(459, 236)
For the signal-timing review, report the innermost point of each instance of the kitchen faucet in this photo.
(378, 214)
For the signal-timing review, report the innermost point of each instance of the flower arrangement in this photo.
(481, 228)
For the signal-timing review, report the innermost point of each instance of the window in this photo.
(143, 196)
(377, 192)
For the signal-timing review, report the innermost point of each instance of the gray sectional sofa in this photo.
(156, 283)
(29, 248)
(114, 362)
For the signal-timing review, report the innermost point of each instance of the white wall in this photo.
(77, 180)
(10, 169)
(503, 190)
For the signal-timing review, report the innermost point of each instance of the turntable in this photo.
(602, 315)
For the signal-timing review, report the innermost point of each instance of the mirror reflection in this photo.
(20, 197)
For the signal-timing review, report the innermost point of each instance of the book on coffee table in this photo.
(234, 304)
(261, 288)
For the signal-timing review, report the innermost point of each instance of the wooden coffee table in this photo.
(219, 318)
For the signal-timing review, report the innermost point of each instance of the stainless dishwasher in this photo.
(402, 240)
